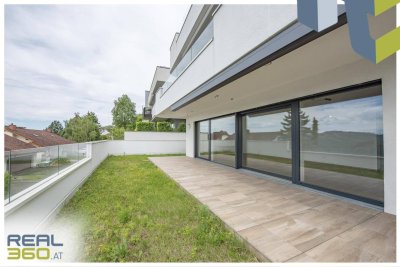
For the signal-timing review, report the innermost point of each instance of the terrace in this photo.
(218, 213)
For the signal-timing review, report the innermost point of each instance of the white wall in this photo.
(149, 143)
(190, 135)
(232, 37)
(151, 147)
(154, 136)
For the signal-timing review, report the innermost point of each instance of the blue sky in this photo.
(63, 59)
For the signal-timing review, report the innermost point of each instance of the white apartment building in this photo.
(261, 91)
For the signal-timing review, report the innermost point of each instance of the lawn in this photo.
(132, 211)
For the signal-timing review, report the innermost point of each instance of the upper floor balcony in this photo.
(212, 38)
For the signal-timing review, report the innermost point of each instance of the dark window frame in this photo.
(295, 105)
(196, 149)
(268, 109)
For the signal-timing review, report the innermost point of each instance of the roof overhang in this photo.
(282, 43)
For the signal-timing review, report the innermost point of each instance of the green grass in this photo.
(60, 161)
(132, 211)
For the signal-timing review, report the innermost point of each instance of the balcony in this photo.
(194, 51)
(222, 43)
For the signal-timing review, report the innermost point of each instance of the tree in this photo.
(82, 128)
(181, 127)
(314, 129)
(164, 126)
(117, 133)
(123, 112)
(145, 126)
(56, 127)
(286, 130)
(98, 129)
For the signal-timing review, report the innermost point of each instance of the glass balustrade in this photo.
(24, 169)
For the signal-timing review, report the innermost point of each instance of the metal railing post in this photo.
(58, 159)
(9, 178)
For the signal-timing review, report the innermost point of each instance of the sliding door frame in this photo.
(196, 149)
(267, 109)
(296, 165)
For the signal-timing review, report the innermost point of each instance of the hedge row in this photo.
(161, 126)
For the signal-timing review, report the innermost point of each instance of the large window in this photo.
(267, 142)
(342, 142)
(203, 139)
(332, 142)
(223, 138)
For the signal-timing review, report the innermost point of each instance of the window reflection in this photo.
(223, 140)
(203, 142)
(267, 141)
(342, 142)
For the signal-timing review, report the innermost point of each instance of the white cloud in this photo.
(65, 59)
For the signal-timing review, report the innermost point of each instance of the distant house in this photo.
(21, 138)
(17, 138)
(12, 143)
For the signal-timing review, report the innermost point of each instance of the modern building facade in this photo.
(161, 75)
(261, 91)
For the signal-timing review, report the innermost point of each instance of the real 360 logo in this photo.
(33, 247)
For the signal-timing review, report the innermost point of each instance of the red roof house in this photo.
(21, 138)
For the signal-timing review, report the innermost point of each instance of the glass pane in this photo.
(29, 166)
(267, 142)
(68, 155)
(342, 142)
(203, 141)
(194, 50)
(185, 61)
(7, 176)
(82, 151)
(202, 40)
(223, 140)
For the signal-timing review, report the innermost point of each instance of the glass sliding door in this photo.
(341, 142)
(203, 140)
(223, 140)
(267, 141)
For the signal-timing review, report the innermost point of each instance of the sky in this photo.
(62, 59)
(356, 115)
